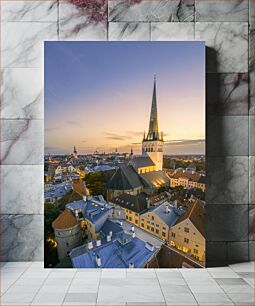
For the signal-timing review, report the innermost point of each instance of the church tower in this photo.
(75, 154)
(152, 145)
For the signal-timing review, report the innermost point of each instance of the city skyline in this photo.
(100, 104)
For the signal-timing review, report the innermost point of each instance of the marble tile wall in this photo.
(227, 29)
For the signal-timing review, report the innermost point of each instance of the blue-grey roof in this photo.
(155, 179)
(101, 168)
(115, 255)
(125, 178)
(58, 191)
(141, 161)
(170, 217)
(111, 226)
(95, 211)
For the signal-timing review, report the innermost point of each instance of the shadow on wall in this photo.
(224, 226)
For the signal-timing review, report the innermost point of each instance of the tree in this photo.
(51, 212)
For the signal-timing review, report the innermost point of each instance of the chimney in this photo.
(175, 203)
(90, 245)
(131, 265)
(132, 228)
(133, 235)
(76, 213)
(98, 261)
(99, 242)
(167, 209)
(110, 234)
(109, 238)
(148, 202)
(149, 246)
(84, 198)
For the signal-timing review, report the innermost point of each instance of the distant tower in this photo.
(131, 153)
(153, 143)
(75, 154)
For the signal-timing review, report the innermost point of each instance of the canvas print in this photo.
(125, 175)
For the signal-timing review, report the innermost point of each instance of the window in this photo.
(195, 251)
(142, 224)
(130, 218)
(152, 217)
(173, 234)
(136, 215)
(157, 225)
(148, 227)
(148, 222)
(186, 240)
(136, 221)
(164, 228)
(157, 231)
(186, 229)
(163, 234)
(152, 229)
(127, 217)
(67, 244)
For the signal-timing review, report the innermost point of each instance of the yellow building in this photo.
(187, 180)
(132, 206)
(188, 234)
(158, 220)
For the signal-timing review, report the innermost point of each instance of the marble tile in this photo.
(216, 253)
(251, 250)
(251, 10)
(22, 142)
(22, 237)
(241, 299)
(229, 223)
(82, 20)
(172, 31)
(128, 31)
(22, 93)
(251, 180)
(238, 251)
(227, 135)
(226, 43)
(22, 189)
(23, 43)
(251, 222)
(251, 135)
(214, 299)
(227, 180)
(23, 10)
(251, 68)
(243, 267)
(82, 298)
(227, 94)
(179, 299)
(234, 10)
(222, 272)
(151, 10)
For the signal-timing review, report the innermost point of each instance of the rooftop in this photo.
(116, 254)
(155, 179)
(168, 213)
(125, 178)
(57, 190)
(136, 203)
(65, 220)
(141, 161)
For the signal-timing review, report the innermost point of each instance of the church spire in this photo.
(153, 127)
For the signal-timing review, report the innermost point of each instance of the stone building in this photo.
(67, 232)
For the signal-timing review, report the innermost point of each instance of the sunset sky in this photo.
(98, 95)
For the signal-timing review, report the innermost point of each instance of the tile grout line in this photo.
(40, 287)
(15, 280)
(96, 303)
(189, 286)
(160, 286)
(69, 287)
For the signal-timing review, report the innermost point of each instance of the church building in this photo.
(144, 170)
